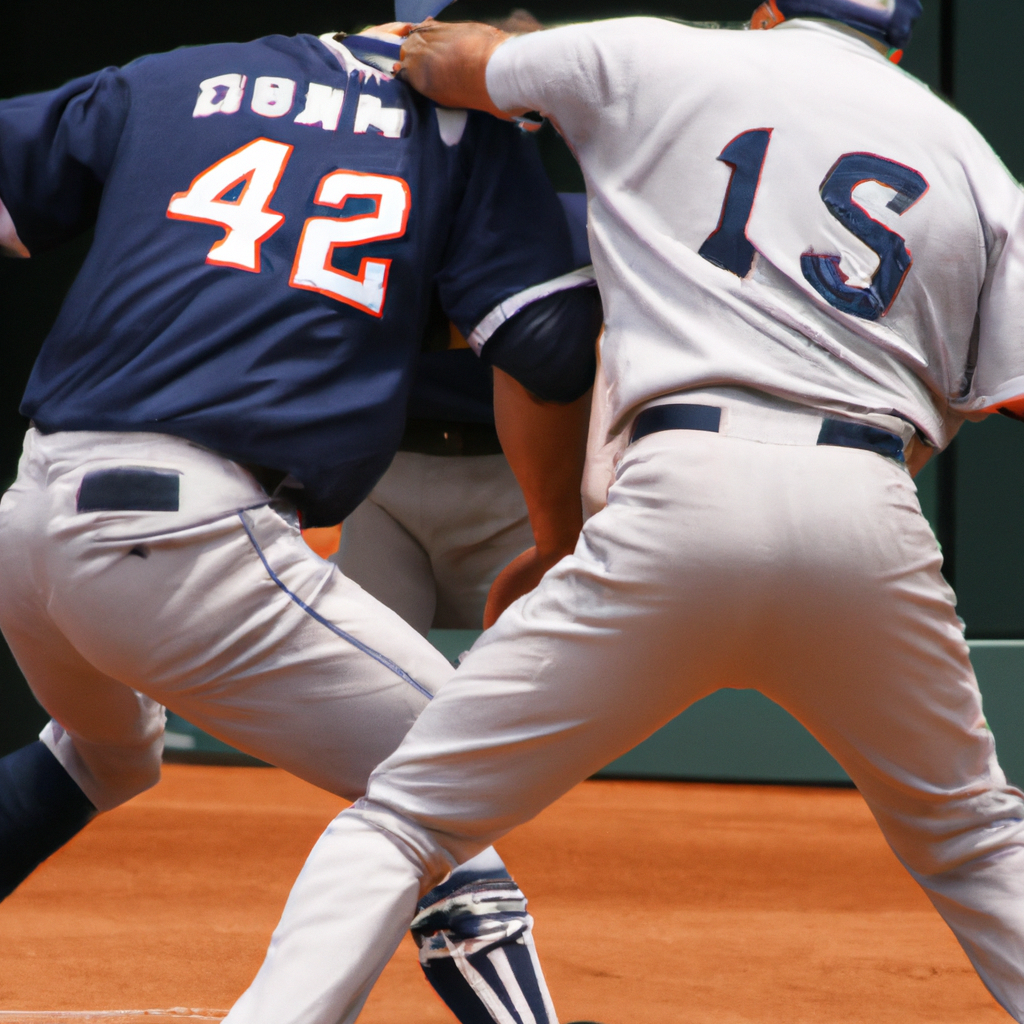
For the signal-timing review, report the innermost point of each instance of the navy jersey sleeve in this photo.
(56, 149)
(510, 233)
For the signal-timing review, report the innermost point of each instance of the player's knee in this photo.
(948, 835)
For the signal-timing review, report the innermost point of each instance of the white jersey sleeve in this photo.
(996, 380)
(556, 72)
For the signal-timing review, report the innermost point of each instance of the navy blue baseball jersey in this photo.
(450, 382)
(270, 219)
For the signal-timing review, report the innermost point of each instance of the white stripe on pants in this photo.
(807, 572)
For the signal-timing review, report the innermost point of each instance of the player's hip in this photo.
(108, 474)
(749, 519)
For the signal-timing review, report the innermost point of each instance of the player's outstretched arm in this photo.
(546, 445)
(447, 62)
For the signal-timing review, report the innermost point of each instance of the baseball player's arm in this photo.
(10, 243)
(545, 444)
(56, 150)
(447, 61)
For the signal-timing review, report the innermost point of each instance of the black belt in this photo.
(445, 437)
(840, 433)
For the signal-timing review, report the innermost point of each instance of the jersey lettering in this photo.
(322, 236)
(371, 113)
(728, 246)
(823, 272)
(220, 95)
(254, 172)
(275, 97)
(323, 107)
(272, 97)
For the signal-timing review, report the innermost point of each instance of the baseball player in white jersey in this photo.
(810, 266)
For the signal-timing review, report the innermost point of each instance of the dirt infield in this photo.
(656, 903)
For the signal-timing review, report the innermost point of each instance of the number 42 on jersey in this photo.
(235, 193)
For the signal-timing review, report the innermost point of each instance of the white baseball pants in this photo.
(720, 561)
(218, 611)
(433, 535)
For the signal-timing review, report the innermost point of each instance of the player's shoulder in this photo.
(300, 52)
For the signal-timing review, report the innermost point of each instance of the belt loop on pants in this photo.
(835, 432)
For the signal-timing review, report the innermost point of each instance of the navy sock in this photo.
(41, 808)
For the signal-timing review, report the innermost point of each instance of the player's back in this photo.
(791, 185)
(269, 220)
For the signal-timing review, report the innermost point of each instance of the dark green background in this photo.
(969, 48)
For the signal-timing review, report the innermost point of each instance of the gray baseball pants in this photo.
(720, 561)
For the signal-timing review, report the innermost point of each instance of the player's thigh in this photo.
(481, 524)
(874, 663)
(108, 736)
(616, 641)
(238, 627)
(379, 554)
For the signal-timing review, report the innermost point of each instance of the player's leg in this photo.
(613, 643)
(236, 625)
(877, 668)
(475, 523)
(476, 945)
(461, 508)
(109, 746)
(384, 558)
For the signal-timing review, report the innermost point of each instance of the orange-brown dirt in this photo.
(656, 903)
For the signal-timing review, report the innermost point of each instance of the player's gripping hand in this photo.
(519, 577)
(447, 62)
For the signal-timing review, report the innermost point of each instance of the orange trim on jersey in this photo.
(767, 15)
(1013, 407)
(237, 202)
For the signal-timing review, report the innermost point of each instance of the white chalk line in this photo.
(84, 1016)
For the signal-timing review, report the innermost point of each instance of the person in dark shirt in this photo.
(235, 359)
(448, 515)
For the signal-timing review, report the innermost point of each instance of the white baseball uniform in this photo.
(808, 260)
(433, 535)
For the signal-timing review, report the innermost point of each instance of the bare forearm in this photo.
(545, 445)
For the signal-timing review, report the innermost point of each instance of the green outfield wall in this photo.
(733, 735)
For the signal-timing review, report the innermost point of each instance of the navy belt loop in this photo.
(845, 434)
(676, 417)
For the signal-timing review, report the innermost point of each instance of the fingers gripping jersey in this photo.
(270, 219)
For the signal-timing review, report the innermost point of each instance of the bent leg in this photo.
(41, 808)
(887, 686)
(572, 675)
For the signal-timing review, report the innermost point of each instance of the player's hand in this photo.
(519, 577)
(447, 62)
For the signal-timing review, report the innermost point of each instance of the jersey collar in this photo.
(364, 54)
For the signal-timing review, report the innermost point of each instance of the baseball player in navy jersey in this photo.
(270, 220)
(448, 515)
(812, 270)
